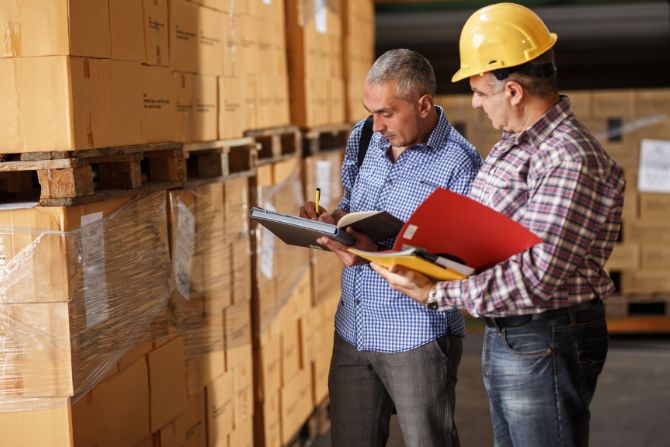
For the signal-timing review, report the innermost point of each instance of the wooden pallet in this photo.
(276, 143)
(75, 177)
(638, 305)
(220, 160)
(325, 138)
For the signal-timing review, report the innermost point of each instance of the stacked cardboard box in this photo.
(314, 40)
(88, 81)
(253, 87)
(358, 54)
(82, 286)
(212, 313)
(282, 302)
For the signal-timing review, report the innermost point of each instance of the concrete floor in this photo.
(631, 406)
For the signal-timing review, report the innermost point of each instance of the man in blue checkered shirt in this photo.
(390, 350)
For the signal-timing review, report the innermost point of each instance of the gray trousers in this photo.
(364, 386)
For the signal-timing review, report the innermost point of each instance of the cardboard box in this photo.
(159, 114)
(267, 429)
(242, 435)
(188, 429)
(51, 416)
(581, 103)
(126, 26)
(237, 334)
(203, 369)
(296, 404)
(92, 103)
(156, 32)
(650, 102)
(243, 384)
(655, 256)
(231, 108)
(167, 382)
(196, 38)
(654, 207)
(236, 212)
(197, 97)
(116, 412)
(624, 257)
(220, 413)
(290, 346)
(66, 318)
(55, 27)
(613, 103)
(267, 362)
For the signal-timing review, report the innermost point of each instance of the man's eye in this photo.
(386, 115)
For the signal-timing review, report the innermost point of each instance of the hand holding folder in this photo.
(448, 225)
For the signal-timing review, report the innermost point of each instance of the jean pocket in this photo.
(527, 344)
(591, 355)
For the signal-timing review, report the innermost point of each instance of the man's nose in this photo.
(377, 124)
(476, 102)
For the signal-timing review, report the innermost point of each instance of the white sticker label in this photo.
(409, 232)
(267, 248)
(323, 181)
(654, 172)
(93, 263)
(183, 250)
(321, 16)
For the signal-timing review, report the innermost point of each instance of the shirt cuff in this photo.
(449, 294)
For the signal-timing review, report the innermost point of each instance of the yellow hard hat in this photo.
(500, 36)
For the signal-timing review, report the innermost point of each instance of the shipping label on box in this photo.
(654, 172)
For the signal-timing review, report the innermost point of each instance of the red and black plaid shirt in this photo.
(556, 180)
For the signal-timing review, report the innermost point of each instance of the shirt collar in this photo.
(543, 127)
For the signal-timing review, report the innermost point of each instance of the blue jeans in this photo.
(540, 378)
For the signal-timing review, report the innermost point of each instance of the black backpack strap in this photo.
(366, 135)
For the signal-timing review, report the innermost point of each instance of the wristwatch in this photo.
(432, 302)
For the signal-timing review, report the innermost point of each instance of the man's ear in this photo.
(514, 91)
(425, 105)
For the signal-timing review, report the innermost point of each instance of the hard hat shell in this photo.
(500, 36)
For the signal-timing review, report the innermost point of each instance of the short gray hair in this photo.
(412, 71)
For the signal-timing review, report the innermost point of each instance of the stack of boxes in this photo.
(82, 286)
(314, 44)
(131, 321)
(642, 257)
(358, 40)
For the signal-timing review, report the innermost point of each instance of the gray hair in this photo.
(536, 86)
(412, 71)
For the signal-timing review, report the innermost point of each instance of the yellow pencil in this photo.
(317, 196)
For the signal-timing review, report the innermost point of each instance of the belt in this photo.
(520, 320)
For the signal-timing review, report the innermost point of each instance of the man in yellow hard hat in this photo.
(546, 335)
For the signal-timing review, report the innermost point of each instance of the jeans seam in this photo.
(559, 423)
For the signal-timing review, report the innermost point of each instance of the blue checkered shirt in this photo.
(371, 315)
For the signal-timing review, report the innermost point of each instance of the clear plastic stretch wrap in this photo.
(279, 267)
(79, 287)
(211, 264)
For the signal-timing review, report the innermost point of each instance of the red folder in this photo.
(447, 223)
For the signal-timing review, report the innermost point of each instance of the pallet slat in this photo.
(276, 143)
(68, 178)
(220, 160)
